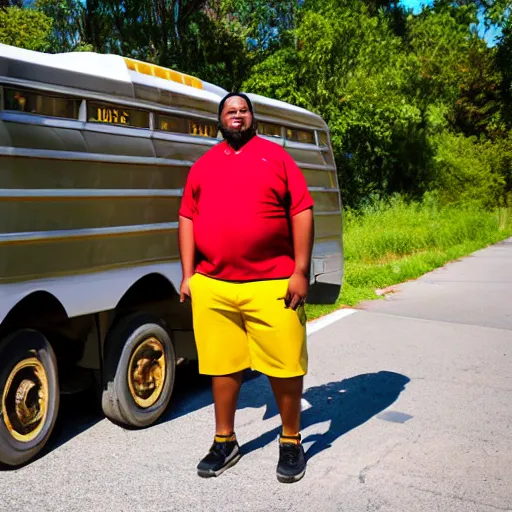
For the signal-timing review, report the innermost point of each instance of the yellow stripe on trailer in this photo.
(161, 72)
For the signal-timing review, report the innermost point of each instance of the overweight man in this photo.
(245, 238)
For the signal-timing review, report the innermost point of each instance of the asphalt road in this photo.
(408, 407)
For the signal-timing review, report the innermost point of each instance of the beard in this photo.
(238, 138)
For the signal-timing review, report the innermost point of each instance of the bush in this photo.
(467, 170)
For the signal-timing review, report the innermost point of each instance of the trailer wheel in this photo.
(29, 395)
(139, 371)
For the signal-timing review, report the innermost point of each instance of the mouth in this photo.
(237, 123)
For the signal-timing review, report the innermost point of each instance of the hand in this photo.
(185, 289)
(297, 291)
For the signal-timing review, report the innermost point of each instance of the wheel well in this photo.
(34, 309)
(149, 289)
(43, 312)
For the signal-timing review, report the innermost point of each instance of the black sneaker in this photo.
(292, 462)
(222, 455)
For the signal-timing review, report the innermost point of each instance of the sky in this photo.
(490, 35)
(415, 4)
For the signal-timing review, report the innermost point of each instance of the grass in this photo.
(391, 243)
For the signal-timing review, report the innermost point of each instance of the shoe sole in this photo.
(287, 479)
(210, 473)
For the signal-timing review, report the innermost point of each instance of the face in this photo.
(235, 115)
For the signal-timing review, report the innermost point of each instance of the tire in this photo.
(129, 339)
(28, 384)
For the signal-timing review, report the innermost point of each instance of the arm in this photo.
(187, 253)
(303, 236)
(187, 245)
(302, 226)
(186, 241)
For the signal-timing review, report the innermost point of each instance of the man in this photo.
(246, 236)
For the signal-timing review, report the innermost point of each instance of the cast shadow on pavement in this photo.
(345, 404)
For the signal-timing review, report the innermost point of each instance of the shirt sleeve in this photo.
(300, 198)
(188, 205)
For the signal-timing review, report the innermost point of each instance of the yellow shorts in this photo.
(246, 325)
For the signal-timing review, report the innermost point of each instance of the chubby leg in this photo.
(225, 451)
(277, 343)
(223, 352)
(288, 394)
(226, 389)
(292, 462)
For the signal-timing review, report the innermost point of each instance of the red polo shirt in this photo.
(240, 203)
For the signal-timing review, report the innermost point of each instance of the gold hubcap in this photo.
(25, 400)
(146, 372)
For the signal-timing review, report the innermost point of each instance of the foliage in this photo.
(25, 28)
(68, 23)
(441, 45)
(504, 64)
(181, 34)
(350, 67)
(478, 108)
(465, 171)
(393, 101)
(264, 24)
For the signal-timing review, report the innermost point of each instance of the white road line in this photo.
(316, 325)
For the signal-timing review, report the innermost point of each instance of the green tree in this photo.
(69, 19)
(478, 108)
(25, 28)
(351, 68)
(265, 25)
(181, 34)
(504, 63)
(441, 39)
(494, 11)
(467, 170)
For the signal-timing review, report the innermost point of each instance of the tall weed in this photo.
(389, 242)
